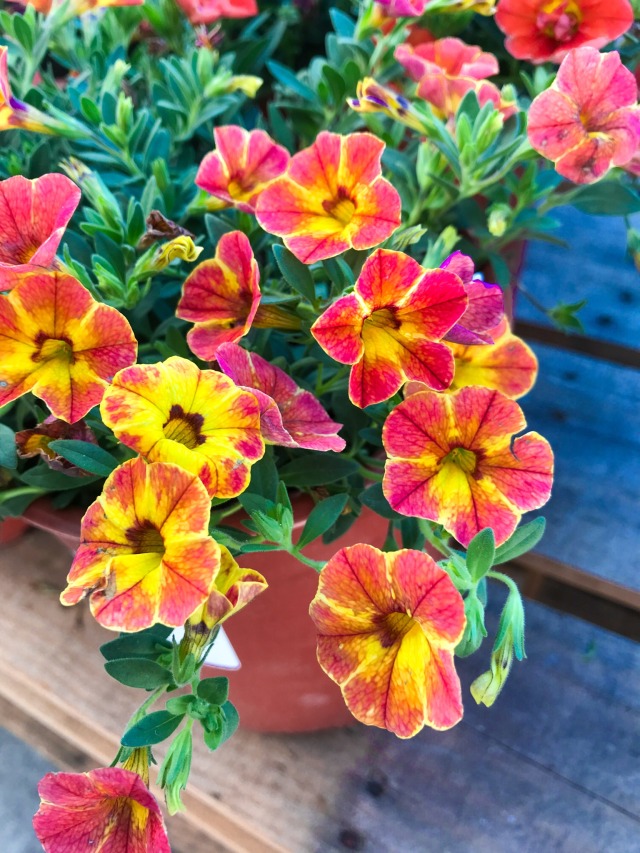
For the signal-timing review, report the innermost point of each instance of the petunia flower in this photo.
(332, 198)
(59, 343)
(208, 11)
(447, 69)
(371, 97)
(33, 218)
(243, 164)
(454, 459)
(289, 415)
(588, 121)
(199, 419)
(403, 8)
(485, 308)
(36, 441)
(390, 326)
(508, 365)
(546, 30)
(145, 553)
(387, 627)
(232, 589)
(15, 113)
(108, 809)
(221, 296)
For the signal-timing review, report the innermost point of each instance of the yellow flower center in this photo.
(53, 348)
(183, 427)
(465, 459)
(342, 208)
(145, 538)
(383, 318)
(559, 19)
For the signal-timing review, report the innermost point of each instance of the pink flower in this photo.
(588, 121)
(33, 218)
(485, 309)
(403, 8)
(208, 11)
(289, 415)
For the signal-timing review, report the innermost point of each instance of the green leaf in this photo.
(295, 272)
(321, 518)
(317, 470)
(606, 198)
(8, 455)
(140, 645)
(285, 76)
(264, 478)
(90, 111)
(231, 720)
(524, 539)
(374, 498)
(154, 728)
(89, 457)
(53, 481)
(214, 690)
(342, 23)
(138, 672)
(480, 553)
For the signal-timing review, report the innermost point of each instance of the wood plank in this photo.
(590, 412)
(257, 793)
(595, 267)
(596, 347)
(551, 767)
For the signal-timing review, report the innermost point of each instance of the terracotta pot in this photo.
(11, 529)
(280, 686)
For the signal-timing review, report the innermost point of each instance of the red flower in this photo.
(588, 121)
(33, 217)
(207, 11)
(546, 30)
(109, 809)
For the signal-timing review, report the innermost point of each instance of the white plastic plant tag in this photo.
(222, 655)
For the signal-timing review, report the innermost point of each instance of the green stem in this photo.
(505, 579)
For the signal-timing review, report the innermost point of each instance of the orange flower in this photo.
(546, 30)
(59, 343)
(390, 327)
(76, 7)
(145, 553)
(198, 419)
(453, 458)
(588, 121)
(109, 809)
(221, 296)
(388, 624)
(332, 198)
(243, 164)
(33, 217)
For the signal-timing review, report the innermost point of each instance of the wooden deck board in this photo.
(590, 412)
(241, 797)
(552, 767)
(595, 267)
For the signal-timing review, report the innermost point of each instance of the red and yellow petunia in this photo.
(232, 589)
(109, 809)
(199, 419)
(485, 308)
(332, 198)
(546, 30)
(588, 121)
(453, 458)
(76, 7)
(243, 164)
(59, 343)
(388, 624)
(15, 113)
(289, 415)
(390, 326)
(508, 365)
(33, 217)
(36, 441)
(145, 553)
(447, 69)
(221, 296)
